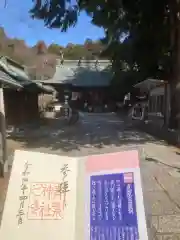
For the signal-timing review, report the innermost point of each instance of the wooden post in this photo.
(3, 133)
(165, 105)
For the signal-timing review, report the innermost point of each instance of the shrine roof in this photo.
(84, 74)
(7, 80)
(12, 74)
(149, 84)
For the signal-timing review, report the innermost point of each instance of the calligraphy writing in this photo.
(48, 200)
(23, 197)
(64, 185)
(65, 170)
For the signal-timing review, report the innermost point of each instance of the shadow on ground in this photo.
(154, 160)
(89, 133)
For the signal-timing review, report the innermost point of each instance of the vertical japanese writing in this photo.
(24, 188)
(100, 197)
(130, 200)
(112, 199)
(44, 202)
(64, 185)
(93, 200)
(119, 199)
(106, 200)
(48, 200)
(113, 209)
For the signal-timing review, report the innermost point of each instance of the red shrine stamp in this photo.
(47, 201)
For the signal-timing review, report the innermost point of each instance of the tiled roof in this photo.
(5, 79)
(84, 75)
(20, 78)
(47, 89)
(149, 84)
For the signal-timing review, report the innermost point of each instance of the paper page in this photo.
(114, 206)
(41, 198)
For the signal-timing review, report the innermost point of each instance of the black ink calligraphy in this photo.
(23, 197)
(64, 186)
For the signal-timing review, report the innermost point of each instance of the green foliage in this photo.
(74, 52)
(151, 27)
(55, 13)
(55, 49)
(89, 50)
(145, 23)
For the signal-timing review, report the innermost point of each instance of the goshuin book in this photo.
(97, 197)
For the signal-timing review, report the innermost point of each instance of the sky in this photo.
(16, 21)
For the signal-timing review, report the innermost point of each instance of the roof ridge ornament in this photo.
(96, 62)
(80, 61)
(62, 57)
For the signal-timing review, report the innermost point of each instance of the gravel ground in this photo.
(103, 133)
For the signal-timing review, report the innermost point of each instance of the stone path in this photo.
(161, 188)
(103, 133)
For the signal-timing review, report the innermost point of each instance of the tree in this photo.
(41, 47)
(152, 29)
(55, 49)
(56, 14)
(88, 44)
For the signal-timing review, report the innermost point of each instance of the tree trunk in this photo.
(173, 122)
(175, 69)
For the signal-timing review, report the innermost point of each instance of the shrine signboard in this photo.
(91, 198)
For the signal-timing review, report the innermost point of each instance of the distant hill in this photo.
(41, 59)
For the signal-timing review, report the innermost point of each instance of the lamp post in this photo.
(66, 107)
